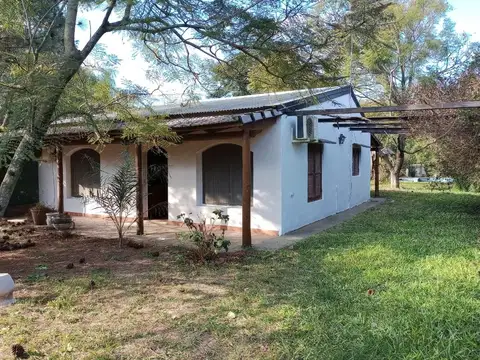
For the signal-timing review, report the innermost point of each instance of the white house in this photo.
(303, 168)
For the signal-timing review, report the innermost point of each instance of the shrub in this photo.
(438, 185)
(207, 243)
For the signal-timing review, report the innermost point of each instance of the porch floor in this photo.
(160, 231)
(155, 230)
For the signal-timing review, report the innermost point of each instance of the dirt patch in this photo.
(65, 253)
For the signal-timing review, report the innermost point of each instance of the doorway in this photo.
(157, 177)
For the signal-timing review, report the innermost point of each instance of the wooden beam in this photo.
(358, 128)
(139, 168)
(341, 119)
(369, 125)
(399, 108)
(219, 136)
(60, 195)
(246, 189)
(384, 131)
(69, 140)
(377, 173)
(187, 129)
(368, 119)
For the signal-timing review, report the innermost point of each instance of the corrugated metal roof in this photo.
(240, 103)
(177, 123)
(228, 109)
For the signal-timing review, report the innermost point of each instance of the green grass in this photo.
(419, 252)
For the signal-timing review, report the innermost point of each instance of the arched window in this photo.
(222, 175)
(85, 172)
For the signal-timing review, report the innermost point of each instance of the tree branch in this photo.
(102, 29)
(47, 33)
(70, 24)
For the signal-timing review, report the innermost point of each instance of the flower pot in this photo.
(39, 216)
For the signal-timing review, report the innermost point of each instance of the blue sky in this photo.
(465, 13)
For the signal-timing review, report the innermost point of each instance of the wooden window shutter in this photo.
(222, 175)
(315, 187)
(356, 152)
(85, 172)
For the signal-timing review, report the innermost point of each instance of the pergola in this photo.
(388, 125)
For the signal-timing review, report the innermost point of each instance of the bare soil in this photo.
(54, 250)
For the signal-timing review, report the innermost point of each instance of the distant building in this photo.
(416, 170)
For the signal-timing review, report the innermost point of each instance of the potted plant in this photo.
(39, 214)
(62, 222)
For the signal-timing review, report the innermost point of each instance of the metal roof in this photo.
(239, 109)
(239, 104)
(178, 123)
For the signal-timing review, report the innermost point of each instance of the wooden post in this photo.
(246, 190)
(60, 201)
(376, 170)
(139, 168)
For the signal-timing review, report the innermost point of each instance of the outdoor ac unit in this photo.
(306, 129)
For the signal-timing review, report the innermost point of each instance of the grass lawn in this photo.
(418, 253)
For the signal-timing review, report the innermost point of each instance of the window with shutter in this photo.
(315, 153)
(85, 172)
(356, 152)
(222, 175)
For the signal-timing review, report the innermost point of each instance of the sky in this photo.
(465, 13)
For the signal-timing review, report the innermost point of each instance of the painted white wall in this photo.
(110, 157)
(341, 190)
(185, 181)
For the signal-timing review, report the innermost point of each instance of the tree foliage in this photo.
(41, 63)
(454, 134)
(330, 23)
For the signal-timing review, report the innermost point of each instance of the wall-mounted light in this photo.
(341, 139)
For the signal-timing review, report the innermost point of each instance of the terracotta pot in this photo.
(39, 216)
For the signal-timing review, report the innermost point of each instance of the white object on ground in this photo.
(6, 289)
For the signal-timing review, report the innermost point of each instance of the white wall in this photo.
(110, 157)
(185, 181)
(341, 190)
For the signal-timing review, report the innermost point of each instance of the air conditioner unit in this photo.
(306, 129)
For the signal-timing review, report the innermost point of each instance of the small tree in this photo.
(117, 197)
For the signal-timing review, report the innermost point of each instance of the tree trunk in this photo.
(394, 180)
(33, 137)
(399, 160)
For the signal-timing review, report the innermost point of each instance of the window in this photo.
(315, 153)
(85, 172)
(222, 175)
(356, 152)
